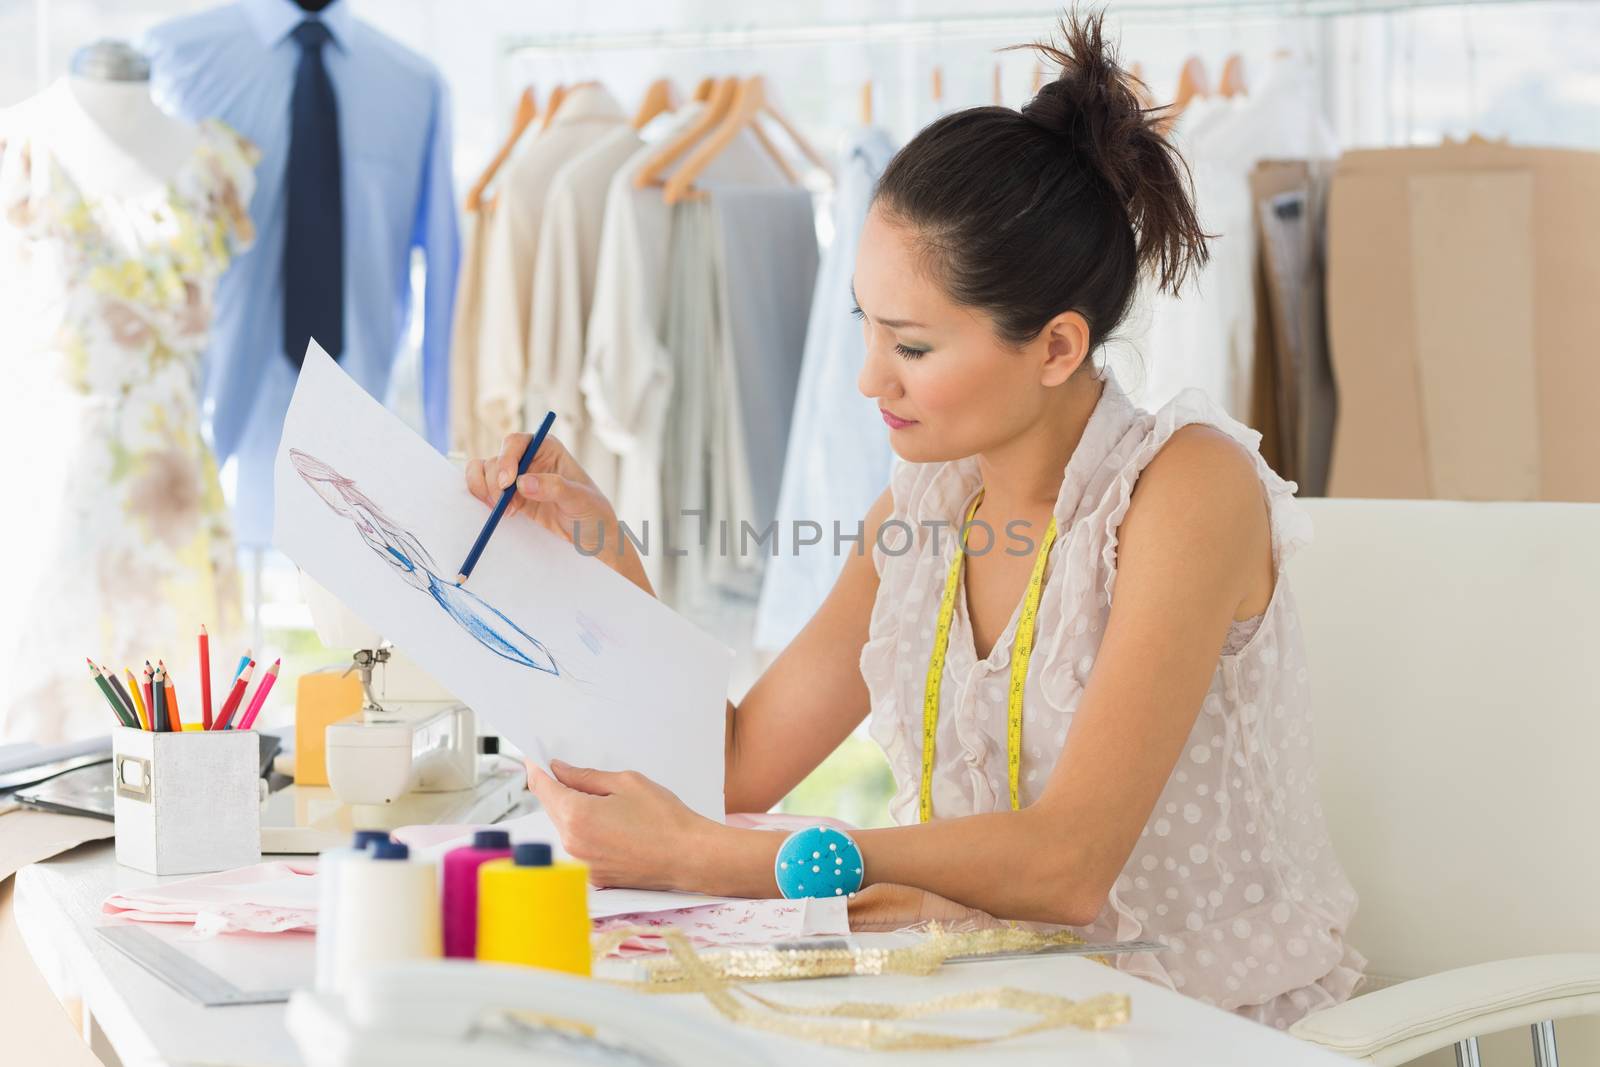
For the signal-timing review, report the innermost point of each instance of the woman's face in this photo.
(946, 383)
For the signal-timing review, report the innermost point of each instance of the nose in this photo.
(877, 379)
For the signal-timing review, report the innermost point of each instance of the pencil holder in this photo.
(187, 803)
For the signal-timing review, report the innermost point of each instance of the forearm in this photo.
(1002, 863)
(1011, 864)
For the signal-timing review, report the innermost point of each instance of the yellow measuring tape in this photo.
(1021, 653)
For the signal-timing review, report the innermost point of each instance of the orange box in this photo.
(323, 697)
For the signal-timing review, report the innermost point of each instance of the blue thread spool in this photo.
(819, 862)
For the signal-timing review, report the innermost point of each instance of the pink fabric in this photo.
(743, 922)
(1234, 872)
(263, 898)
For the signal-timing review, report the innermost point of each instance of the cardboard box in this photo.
(1462, 322)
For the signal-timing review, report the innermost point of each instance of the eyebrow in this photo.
(893, 324)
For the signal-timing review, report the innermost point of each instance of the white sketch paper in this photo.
(555, 651)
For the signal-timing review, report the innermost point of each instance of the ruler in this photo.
(182, 972)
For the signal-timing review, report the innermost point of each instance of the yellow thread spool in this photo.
(534, 913)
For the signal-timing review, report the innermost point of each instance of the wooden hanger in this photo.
(1140, 89)
(661, 96)
(558, 96)
(527, 111)
(1193, 83)
(716, 109)
(702, 90)
(748, 103)
(938, 87)
(866, 102)
(812, 156)
(999, 99)
(1233, 80)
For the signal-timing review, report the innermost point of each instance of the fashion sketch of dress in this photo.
(399, 548)
(120, 534)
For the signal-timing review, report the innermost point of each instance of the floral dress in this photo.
(1234, 873)
(121, 547)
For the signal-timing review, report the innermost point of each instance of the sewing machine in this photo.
(408, 756)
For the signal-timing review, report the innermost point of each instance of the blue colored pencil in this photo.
(505, 498)
(243, 660)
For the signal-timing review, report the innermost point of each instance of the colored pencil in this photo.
(260, 698)
(205, 677)
(505, 498)
(105, 689)
(149, 697)
(174, 720)
(138, 700)
(231, 705)
(122, 694)
(158, 685)
(244, 661)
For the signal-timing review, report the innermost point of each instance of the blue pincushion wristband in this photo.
(818, 861)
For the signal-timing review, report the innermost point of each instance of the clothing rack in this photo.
(1010, 25)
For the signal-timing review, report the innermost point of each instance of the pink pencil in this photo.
(261, 696)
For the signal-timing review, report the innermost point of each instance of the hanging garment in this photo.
(1293, 402)
(838, 456)
(586, 116)
(629, 371)
(1206, 338)
(1235, 874)
(1461, 323)
(468, 434)
(238, 62)
(691, 333)
(122, 536)
(563, 293)
(766, 257)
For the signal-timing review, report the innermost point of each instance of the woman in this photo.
(1163, 783)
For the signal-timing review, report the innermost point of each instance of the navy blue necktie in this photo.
(313, 244)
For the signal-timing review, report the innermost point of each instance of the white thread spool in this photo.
(329, 884)
(388, 912)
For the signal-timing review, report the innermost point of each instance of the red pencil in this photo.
(231, 705)
(205, 677)
(261, 696)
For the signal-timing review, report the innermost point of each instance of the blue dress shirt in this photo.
(237, 63)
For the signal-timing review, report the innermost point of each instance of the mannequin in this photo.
(106, 132)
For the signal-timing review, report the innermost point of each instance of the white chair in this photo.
(1455, 659)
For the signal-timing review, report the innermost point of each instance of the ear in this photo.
(1066, 341)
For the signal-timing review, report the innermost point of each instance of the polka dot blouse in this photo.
(1234, 872)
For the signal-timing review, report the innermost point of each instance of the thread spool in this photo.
(388, 912)
(534, 912)
(460, 900)
(328, 887)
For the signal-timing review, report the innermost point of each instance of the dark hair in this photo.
(1057, 207)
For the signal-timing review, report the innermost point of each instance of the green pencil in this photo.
(105, 688)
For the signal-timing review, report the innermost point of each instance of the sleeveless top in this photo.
(1234, 872)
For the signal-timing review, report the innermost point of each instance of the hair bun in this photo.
(1093, 105)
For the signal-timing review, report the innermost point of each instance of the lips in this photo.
(894, 421)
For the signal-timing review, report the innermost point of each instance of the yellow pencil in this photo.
(138, 700)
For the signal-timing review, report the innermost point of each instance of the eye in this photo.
(910, 353)
(855, 309)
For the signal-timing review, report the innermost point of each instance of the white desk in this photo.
(150, 1025)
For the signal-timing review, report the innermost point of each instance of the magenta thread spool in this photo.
(461, 889)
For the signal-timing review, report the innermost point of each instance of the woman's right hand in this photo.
(559, 495)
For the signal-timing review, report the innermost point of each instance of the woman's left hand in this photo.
(628, 830)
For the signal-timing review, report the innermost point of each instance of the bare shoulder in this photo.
(1201, 495)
